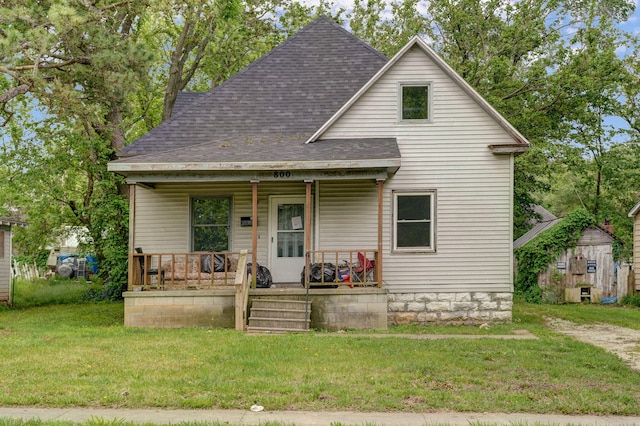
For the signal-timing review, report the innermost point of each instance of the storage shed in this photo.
(5, 257)
(590, 264)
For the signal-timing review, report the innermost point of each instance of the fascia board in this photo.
(125, 167)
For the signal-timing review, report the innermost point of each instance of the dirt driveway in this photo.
(621, 341)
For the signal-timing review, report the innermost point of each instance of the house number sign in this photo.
(281, 174)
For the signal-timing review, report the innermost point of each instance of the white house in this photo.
(325, 148)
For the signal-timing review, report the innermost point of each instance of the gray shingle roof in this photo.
(277, 150)
(280, 99)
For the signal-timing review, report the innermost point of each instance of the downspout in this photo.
(316, 207)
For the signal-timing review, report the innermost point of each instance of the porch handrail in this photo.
(242, 292)
(348, 268)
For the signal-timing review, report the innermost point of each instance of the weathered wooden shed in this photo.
(591, 263)
(5, 257)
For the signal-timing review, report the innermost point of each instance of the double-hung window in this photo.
(413, 227)
(415, 102)
(210, 223)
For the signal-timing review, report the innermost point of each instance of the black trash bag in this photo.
(263, 275)
(218, 263)
(316, 273)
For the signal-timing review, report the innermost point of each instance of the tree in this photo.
(80, 80)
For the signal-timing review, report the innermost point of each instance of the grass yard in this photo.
(81, 355)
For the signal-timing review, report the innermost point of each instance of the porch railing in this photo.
(355, 268)
(199, 270)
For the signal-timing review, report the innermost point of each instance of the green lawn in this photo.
(81, 355)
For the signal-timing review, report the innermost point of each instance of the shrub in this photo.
(631, 299)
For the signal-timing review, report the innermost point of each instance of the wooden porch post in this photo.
(254, 231)
(380, 183)
(307, 229)
(132, 232)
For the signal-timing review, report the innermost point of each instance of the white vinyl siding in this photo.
(451, 156)
(5, 263)
(348, 215)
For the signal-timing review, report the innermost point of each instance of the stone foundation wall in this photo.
(449, 308)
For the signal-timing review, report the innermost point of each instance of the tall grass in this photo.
(53, 291)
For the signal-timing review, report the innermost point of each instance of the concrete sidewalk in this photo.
(241, 417)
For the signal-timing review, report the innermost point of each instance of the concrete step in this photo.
(279, 304)
(280, 313)
(279, 316)
(267, 330)
(278, 323)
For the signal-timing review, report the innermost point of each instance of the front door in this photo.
(287, 237)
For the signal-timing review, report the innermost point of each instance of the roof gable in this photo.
(287, 94)
(520, 142)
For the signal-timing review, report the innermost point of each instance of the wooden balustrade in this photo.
(205, 270)
(199, 270)
(355, 268)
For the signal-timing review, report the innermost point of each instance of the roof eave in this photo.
(509, 149)
(123, 167)
(634, 211)
(5, 221)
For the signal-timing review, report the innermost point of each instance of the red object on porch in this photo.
(363, 267)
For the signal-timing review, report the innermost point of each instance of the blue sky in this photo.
(633, 24)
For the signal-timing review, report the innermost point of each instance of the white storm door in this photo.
(286, 238)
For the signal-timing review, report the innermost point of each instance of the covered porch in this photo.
(323, 244)
(307, 228)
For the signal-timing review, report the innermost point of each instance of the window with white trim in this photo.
(413, 227)
(210, 223)
(415, 102)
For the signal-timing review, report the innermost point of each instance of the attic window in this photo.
(415, 102)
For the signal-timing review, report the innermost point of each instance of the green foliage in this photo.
(540, 252)
(631, 299)
(39, 257)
